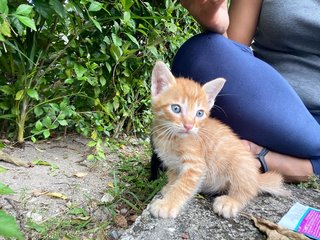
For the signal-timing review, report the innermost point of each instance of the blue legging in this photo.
(256, 101)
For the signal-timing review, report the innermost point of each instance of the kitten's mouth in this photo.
(185, 133)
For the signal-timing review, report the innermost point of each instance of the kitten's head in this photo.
(180, 105)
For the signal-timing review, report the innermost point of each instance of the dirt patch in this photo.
(60, 181)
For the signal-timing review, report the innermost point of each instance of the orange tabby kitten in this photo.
(200, 153)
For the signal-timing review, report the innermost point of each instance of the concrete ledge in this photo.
(198, 221)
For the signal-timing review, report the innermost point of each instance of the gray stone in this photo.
(106, 198)
(198, 221)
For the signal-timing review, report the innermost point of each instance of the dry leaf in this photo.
(121, 221)
(37, 193)
(101, 235)
(11, 159)
(274, 231)
(132, 218)
(56, 195)
(80, 174)
(81, 218)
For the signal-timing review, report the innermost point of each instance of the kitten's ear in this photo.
(161, 78)
(212, 89)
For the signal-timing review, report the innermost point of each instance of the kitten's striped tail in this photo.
(272, 182)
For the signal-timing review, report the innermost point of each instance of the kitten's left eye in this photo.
(175, 108)
(200, 113)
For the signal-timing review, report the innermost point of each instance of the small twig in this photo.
(11, 159)
(35, 147)
(58, 146)
(20, 216)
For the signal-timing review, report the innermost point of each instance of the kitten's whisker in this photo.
(161, 127)
(164, 134)
(220, 109)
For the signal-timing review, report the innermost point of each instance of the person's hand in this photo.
(211, 14)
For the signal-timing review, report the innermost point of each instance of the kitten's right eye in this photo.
(175, 108)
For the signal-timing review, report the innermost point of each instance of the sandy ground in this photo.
(69, 180)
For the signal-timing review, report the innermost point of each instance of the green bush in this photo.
(83, 65)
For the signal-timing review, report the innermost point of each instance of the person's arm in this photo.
(244, 16)
(211, 14)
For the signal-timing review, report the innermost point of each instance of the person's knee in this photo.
(199, 58)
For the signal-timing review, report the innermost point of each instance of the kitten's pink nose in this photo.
(187, 126)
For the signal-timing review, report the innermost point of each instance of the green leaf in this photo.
(133, 39)
(41, 162)
(94, 135)
(126, 16)
(38, 111)
(97, 102)
(26, 21)
(38, 125)
(4, 106)
(47, 121)
(90, 157)
(19, 95)
(9, 227)
(91, 143)
(24, 9)
(116, 52)
(103, 81)
(106, 39)
(58, 8)
(63, 122)
(68, 81)
(153, 50)
(116, 102)
(172, 27)
(5, 28)
(8, 116)
(108, 66)
(95, 6)
(33, 94)
(80, 70)
(3, 6)
(46, 133)
(4, 189)
(97, 24)
(116, 40)
(16, 24)
(127, 4)
(126, 88)
(1, 38)
(6, 89)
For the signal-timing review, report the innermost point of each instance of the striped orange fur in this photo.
(200, 153)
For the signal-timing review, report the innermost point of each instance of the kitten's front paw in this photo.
(163, 209)
(226, 206)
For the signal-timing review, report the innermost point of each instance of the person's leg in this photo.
(257, 102)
